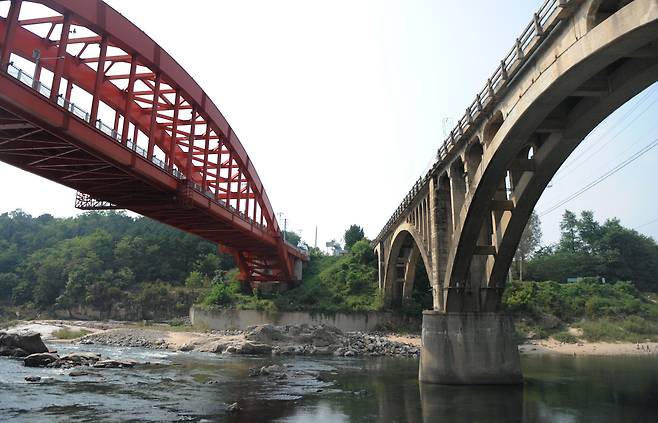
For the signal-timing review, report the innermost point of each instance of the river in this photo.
(198, 387)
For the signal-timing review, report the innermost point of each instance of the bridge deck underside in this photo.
(25, 145)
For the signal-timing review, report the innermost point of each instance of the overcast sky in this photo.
(341, 105)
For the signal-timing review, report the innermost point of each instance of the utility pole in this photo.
(315, 244)
(285, 224)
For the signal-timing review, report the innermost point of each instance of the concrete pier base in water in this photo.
(468, 349)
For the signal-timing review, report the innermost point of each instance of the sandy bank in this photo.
(187, 339)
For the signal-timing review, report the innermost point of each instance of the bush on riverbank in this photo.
(604, 312)
(331, 284)
(66, 333)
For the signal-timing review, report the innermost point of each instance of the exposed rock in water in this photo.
(265, 333)
(265, 340)
(40, 359)
(114, 364)
(32, 378)
(233, 408)
(15, 344)
(76, 373)
(81, 357)
(13, 352)
(253, 348)
(320, 336)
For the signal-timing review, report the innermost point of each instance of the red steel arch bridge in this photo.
(91, 102)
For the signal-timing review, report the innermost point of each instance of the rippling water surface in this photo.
(198, 387)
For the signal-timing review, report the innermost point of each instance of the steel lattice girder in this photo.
(205, 182)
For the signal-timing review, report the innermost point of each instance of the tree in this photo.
(352, 235)
(570, 239)
(530, 241)
(292, 237)
(589, 230)
(196, 280)
(590, 249)
(8, 281)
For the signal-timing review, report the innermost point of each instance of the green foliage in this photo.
(196, 279)
(353, 235)
(569, 301)
(604, 311)
(7, 283)
(66, 333)
(99, 260)
(292, 237)
(607, 250)
(631, 329)
(222, 292)
(565, 337)
(331, 284)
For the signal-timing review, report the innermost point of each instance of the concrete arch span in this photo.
(582, 60)
(407, 247)
(589, 80)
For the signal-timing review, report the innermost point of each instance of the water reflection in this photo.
(457, 404)
(197, 387)
(557, 389)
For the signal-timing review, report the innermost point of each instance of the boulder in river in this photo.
(40, 359)
(80, 358)
(319, 336)
(233, 408)
(30, 342)
(114, 364)
(264, 333)
(253, 348)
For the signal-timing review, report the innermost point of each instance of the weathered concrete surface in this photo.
(227, 319)
(468, 348)
(466, 215)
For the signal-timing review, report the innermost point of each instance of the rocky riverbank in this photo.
(29, 347)
(288, 340)
(260, 340)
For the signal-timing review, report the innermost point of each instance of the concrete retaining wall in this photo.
(240, 319)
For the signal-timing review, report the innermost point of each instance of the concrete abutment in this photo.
(469, 348)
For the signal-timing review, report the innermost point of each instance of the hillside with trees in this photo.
(109, 261)
(101, 260)
(604, 251)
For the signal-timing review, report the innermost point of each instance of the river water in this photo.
(198, 387)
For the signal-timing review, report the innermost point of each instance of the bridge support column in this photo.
(468, 348)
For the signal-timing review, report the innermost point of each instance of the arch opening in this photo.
(473, 159)
(491, 128)
(406, 273)
(457, 189)
(536, 153)
(602, 10)
(552, 151)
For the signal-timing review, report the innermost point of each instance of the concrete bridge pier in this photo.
(468, 348)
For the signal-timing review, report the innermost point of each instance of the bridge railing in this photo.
(29, 80)
(534, 34)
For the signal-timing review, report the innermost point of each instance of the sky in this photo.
(342, 105)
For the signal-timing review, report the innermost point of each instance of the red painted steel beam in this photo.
(10, 32)
(61, 57)
(177, 144)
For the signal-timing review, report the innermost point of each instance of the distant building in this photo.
(586, 279)
(336, 248)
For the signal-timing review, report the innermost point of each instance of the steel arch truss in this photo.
(81, 62)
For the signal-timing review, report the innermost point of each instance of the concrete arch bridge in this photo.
(574, 64)
(91, 102)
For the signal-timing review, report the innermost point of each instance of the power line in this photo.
(603, 177)
(645, 224)
(614, 137)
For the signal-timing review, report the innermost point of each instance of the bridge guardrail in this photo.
(534, 34)
(27, 79)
